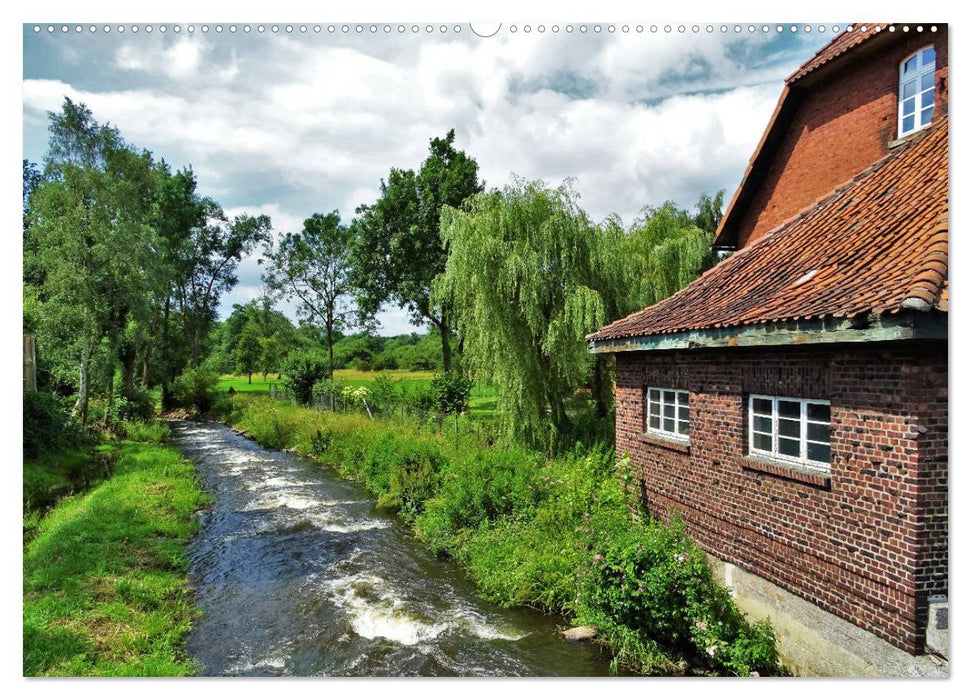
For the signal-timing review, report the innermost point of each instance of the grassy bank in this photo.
(105, 587)
(556, 534)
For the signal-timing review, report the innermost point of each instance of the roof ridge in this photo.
(851, 37)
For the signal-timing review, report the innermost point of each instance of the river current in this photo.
(297, 573)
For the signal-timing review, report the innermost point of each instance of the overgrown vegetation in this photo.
(105, 588)
(558, 534)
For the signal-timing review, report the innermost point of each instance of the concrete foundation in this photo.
(813, 642)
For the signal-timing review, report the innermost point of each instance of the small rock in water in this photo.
(580, 634)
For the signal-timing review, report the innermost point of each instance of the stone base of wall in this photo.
(813, 642)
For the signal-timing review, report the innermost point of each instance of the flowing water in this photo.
(297, 573)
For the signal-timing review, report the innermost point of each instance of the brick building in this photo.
(791, 403)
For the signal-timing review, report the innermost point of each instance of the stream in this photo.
(297, 573)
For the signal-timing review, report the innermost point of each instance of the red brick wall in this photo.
(840, 128)
(868, 546)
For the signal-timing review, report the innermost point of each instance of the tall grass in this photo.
(558, 534)
(105, 585)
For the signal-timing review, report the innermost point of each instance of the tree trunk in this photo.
(330, 348)
(110, 397)
(446, 346)
(127, 357)
(81, 405)
(149, 344)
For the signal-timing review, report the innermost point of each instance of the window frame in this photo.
(804, 421)
(921, 69)
(678, 404)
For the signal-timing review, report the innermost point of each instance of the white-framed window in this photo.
(667, 412)
(790, 430)
(915, 104)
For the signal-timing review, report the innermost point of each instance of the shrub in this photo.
(384, 393)
(404, 473)
(451, 392)
(196, 388)
(47, 425)
(139, 407)
(327, 391)
(302, 370)
(649, 582)
(482, 488)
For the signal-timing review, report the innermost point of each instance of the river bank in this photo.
(558, 535)
(299, 573)
(105, 571)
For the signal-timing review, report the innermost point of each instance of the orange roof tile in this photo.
(877, 244)
(850, 38)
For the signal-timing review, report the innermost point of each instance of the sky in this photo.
(288, 124)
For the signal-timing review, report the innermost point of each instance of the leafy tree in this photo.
(398, 249)
(313, 267)
(94, 247)
(520, 274)
(248, 351)
(302, 371)
(271, 355)
(199, 251)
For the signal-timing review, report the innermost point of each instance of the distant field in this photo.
(482, 404)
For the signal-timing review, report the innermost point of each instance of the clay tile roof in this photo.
(877, 244)
(850, 38)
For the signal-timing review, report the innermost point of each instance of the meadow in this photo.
(482, 402)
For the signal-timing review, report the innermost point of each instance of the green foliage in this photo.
(384, 393)
(452, 392)
(105, 578)
(398, 250)
(520, 274)
(478, 489)
(406, 473)
(328, 391)
(47, 425)
(313, 268)
(653, 581)
(155, 431)
(139, 406)
(302, 370)
(248, 350)
(196, 388)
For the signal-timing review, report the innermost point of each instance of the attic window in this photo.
(916, 101)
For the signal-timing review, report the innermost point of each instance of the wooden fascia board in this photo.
(901, 326)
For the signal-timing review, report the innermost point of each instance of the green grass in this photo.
(482, 403)
(105, 586)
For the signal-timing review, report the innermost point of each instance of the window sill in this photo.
(893, 143)
(785, 470)
(666, 442)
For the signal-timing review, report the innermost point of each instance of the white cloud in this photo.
(180, 61)
(314, 125)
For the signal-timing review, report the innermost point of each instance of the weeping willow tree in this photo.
(521, 274)
(529, 277)
(665, 250)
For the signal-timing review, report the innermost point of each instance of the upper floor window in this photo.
(791, 430)
(667, 412)
(916, 103)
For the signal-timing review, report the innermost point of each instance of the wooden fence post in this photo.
(30, 364)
